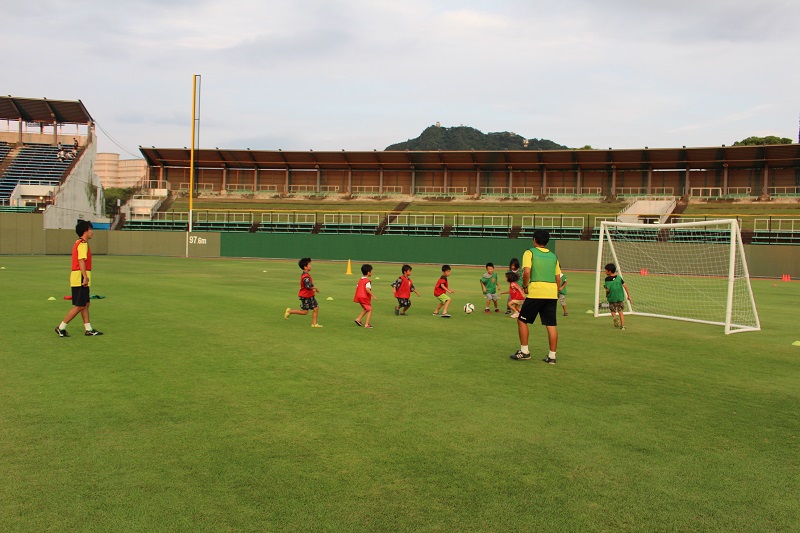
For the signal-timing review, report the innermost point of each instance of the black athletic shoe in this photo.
(396, 311)
(61, 332)
(519, 356)
(549, 361)
(92, 333)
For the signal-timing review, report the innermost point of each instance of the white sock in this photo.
(63, 326)
(523, 349)
(88, 326)
(551, 355)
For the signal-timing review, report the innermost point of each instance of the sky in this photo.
(364, 74)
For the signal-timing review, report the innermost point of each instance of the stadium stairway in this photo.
(391, 217)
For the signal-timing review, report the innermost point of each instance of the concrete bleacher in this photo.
(35, 164)
(4, 149)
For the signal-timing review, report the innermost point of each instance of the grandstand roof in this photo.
(787, 155)
(43, 110)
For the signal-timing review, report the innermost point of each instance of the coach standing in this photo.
(541, 281)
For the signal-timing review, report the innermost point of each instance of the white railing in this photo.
(498, 221)
(777, 224)
(705, 192)
(288, 218)
(739, 191)
(560, 191)
(268, 188)
(783, 191)
(155, 184)
(171, 216)
(524, 191)
(199, 186)
(351, 218)
(598, 220)
(249, 187)
(494, 190)
(458, 191)
(302, 188)
(429, 190)
(418, 220)
(213, 216)
(630, 191)
(376, 189)
(662, 191)
(329, 188)
(368, 189)
(557, 221)
(591, 191)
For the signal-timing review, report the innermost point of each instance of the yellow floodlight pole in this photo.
(191, 161)
(194, 141)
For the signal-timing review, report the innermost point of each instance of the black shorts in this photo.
(545, 308)
(404, 302)
(307, 304)
(80, 296)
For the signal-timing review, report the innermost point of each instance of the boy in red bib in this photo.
(364, 297)
(403, 288)
(306, 294)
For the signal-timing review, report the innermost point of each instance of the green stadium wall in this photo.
(23, 234)
(361, 248)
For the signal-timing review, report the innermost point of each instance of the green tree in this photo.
(112, 194)
(769, 139)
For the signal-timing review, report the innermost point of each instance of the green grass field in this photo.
(202, 409)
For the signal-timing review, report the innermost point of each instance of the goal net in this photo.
(693, 271)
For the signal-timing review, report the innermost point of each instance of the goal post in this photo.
(692, 271)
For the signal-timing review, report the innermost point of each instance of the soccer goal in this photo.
(693, 271)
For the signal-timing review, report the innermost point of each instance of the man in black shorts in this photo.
(541, 281)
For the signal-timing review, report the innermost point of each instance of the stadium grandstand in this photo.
(47, 153)
(653, 183)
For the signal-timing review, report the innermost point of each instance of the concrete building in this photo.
(119, 173)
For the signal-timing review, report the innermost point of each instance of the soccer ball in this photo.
(469, 308)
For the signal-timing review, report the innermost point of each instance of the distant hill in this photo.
(466, 138)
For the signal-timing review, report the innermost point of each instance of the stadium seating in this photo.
(37, 164)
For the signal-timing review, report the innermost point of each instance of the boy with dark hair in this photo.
(616, 291)
(80, 279)
(306, 295)
(403, 288)
(364, 296)
(489, 287)
(441, 291)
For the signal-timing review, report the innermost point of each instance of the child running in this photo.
(306, 294)
(403, 288)
(515, 295)
(616, 291)
(441, 291)
(364, 297)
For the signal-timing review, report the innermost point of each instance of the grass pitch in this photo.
(202, 409)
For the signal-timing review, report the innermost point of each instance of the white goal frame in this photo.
(736, 262)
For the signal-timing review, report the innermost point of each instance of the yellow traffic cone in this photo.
(349, 269)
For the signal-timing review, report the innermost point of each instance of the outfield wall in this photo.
(22, 234)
